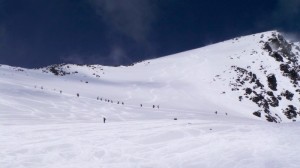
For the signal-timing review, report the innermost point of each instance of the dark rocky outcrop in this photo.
(277, 56)
(272, 82)
(257, 113)
(58, 70)
(287, 94)
(250, 83)
(271, 118)
(290, 112)
(248, 91)
(267, 47)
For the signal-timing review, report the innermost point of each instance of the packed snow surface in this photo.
(175, 111)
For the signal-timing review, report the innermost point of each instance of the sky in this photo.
(37, 33)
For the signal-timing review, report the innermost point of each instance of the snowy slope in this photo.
(221, 95)
(214, 143)
(199, 81)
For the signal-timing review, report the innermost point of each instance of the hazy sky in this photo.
(35, 33)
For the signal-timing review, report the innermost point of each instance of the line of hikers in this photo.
(107, 100)
(101, 99)
(118, 102)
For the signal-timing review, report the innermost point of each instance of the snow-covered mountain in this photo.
(254, 76)
(228, 87)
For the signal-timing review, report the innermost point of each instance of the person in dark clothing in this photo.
(104, 119)
(153, 106)
(141, 105)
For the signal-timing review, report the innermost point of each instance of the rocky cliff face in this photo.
(270, 98)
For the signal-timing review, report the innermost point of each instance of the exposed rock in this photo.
(248, 91)
(293, 75)
(290, 112)
(267, 47)
(271, 118)
(273, 101)
(277, 56)
(251, 85)
(272, 82)
(257, 98)
(58, 70)
(257, 113)
(288, 95)
(270, 93)
(284, 68)
(258, 84)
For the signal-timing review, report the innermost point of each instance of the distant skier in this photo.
(216, 112)
(153, 106)
(104, 120)
(97, 98)
(77, 94)
(141, 105)
(122, 103)
(158, 106)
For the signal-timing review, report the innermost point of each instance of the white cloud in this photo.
(132, 18)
